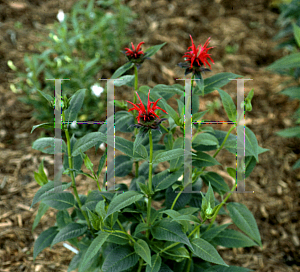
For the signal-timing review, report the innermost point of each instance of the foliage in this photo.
(87, 40)
(117, 229)
(290, 64)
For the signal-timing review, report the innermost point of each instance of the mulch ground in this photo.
(247, 25)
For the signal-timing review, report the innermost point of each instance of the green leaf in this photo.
(168, 155)
(231, 268)
(43, 208)
(218, 81)
(48, 189)
(76, 103)
(125, 80)
(100, 208)
(164, 179)
(120, 71)
(250, 141)
(171, 89)
(296, 165)
(287, 62)
(167, 230)
(43, 125)
(228, 104)
(206, 251)
(187, 217)
(124, 146)
(138, 140)
(101, 164)
(296, 30)
(290, 132)
(70, 231)
(92, 199)
(231, 238)
(153, 49)
(60, 201)
(203, 160)
(156, 264)
(44, 240)
(46, 145)
(210, 234)
(293, 92)
(63, 219)
(93, 250)
(216, 181)
(118, 238)
(87, 142)
(123, 165)
(205, 139)
(198, 115)
(94, 219)
(244, 220)
(120, 259)
(48, 97)
(38, 178)
(175, 164)
(123, 200)
(141, 227)
(142, 249)
(141, 151)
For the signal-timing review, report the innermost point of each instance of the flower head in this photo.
(196, 58)
(147, 119)
(135, 55)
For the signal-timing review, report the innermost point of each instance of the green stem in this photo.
(189, 263)
(226, 137)
(140, 265)
(220, 206)
(149, 182)
(134, 114)
(72, 173)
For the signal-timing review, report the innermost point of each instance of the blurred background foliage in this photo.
(83, 42)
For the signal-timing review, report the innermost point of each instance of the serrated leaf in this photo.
(208, 235)
(168, 155)
(167, 230)
(48, 189)
(203, 160)
(156, 264)
(206, 251)
(87, 142)
(120, 259)
(70, 231)
(205, 139)
(216, 181)
(232, 239)
(244, 220)
(60, 201)
(142, 249)
(122, 201)
(93, 250)
(287, 62)
(44, 240)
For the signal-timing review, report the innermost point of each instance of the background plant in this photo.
(122, 231)
(87, 40)
(290, 64)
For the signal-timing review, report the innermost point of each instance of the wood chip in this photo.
(20, 220)
(6, 214)
(24, 207)
(6, 224)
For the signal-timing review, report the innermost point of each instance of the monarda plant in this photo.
(116, 228)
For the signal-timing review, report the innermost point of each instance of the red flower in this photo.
(149, 114)
(197, 57)
(134, 53)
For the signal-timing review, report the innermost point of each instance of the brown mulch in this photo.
(250, 25)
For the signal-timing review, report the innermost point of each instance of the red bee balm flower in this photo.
(134, 54)
(149, 120)
(197, 57)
